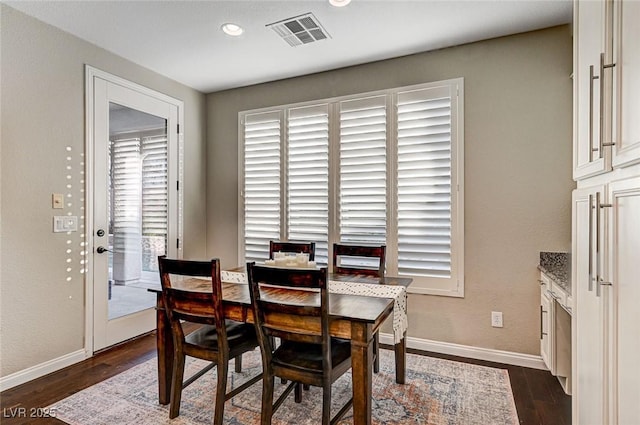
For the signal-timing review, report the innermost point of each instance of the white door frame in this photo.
(90, 74)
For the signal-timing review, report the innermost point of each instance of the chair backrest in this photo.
(357, 256)
(293, 247)
(265, 310)
(191, 306)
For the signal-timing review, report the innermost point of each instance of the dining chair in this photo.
(217, 340)
(293, 247)
(368, 260)
(304, 356)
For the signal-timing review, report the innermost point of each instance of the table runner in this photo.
(397, 293)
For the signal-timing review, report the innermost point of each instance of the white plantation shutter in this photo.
(126, 178)
(155, 201)
(308, 177)
(358, 170)
(139, 194)
(424, 182)
(363, 170)
(262, 187)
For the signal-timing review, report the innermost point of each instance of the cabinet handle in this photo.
(603, 66)
(591, 78)
(541, 327)
(597, 244)
(590, 236)
(599, 281)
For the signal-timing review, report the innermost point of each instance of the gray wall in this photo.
(518, 115)
(42, 315)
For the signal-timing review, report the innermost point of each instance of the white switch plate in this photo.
(57, 201)
(65, 223)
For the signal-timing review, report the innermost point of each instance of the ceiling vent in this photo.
(303, 29)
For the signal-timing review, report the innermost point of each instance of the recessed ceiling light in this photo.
(232, 29)
(339, 3)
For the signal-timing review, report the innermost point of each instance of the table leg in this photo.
(362, 372)
(401, 359)
(164, 343)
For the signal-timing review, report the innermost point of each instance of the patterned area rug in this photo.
(437, 392)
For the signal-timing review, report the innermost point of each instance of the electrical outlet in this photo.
(496, 319)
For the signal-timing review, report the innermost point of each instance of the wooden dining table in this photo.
(353, 317)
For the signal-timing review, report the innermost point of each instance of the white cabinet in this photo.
(606, 213)
(589, 155)
(555, 330)
(606, 86)
(546, 328)
(589, 321)
(606, 284)
(623, 276)
(626, 83)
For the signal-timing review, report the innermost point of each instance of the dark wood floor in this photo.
(538, 396)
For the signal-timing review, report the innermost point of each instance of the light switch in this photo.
(57, 201)
(65, 223)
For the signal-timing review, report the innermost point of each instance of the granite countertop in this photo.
(557, 265)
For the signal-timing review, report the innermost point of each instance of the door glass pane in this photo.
(137, 199)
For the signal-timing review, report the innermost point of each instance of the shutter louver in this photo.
(424, 183)
(139, 194)
(154, 185)
(126, 196)
(155, 198)
(261, 184)
(363, 170)
(308, 177)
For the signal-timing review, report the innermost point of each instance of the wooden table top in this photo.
(351, 307)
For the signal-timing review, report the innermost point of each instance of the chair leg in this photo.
(267, 400)
(238, 363)
(326, 404)
(176, 386)
(298, 393)
(221, 391)
(376, 353)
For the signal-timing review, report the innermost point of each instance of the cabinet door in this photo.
(626, 83)
(588, 324)
(589, 157)
(624, 275)
(546, 350)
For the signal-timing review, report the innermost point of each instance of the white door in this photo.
(546, 305)
(133, 135)
(627, 84)
(589, 318)
(589, 156)
(624, 233)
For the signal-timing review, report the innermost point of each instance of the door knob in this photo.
(101, 250)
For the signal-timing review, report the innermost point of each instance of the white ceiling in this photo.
(182, 40)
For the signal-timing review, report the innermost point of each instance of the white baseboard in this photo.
(499, 356)
(41, 369)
